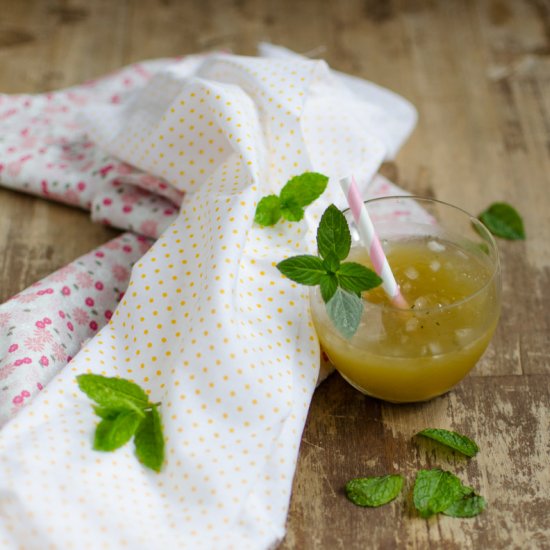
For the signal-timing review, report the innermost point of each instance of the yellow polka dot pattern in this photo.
(208, 326)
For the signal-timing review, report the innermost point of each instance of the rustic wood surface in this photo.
(479, 74)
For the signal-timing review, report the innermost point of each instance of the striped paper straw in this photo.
(371, 241)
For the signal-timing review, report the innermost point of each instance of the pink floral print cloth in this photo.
(44, 326)
(45, 150)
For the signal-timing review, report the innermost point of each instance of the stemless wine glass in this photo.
(446, 263)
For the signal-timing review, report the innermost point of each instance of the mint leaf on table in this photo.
(374, 491)
(454, 440)
(345, 310)
(297, 193)
(126, 412)
(268, 211)
(333, 234)
(113, 393)
(149, 441)
(504, 221)
(112, 434)
(467, 507)
(435, 491)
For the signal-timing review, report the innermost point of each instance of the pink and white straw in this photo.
(371, 241)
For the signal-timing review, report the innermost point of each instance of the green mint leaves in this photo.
(341, 283)
(454, 440)
(435, 491)
(503, 220)
(298, 192)
(374, 491)
(438, 491)
(125, 412)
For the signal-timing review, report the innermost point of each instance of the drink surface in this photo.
(415, 354)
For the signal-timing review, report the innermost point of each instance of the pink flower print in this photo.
(39, 386)
(107, 201)
(99, 285)
(81, 186)
(124, 168)
(89, 302)
(80, 316)
(13, 347)
(100, 254)
(105, 170)
(47, 321)
(61, 314)
(45, 291)
(44, 361)
(61, 274)
(120, 272)
(42, 335)
(18, 399)
(40, 324)
(4, 319)
(26, 298)
(66, 291)
(84, 279)
(108, 314)
(169, 212)
(127, 248)
(58, 351)
(127, 208)
(70, 326)
(34, 344)
(93, 325)
(149, 228)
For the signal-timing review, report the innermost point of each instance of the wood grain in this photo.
(479, 74)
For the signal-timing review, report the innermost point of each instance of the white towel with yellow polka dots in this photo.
(208, 325)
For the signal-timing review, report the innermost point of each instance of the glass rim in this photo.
(487, 236)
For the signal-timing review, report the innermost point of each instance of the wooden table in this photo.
(479, 74)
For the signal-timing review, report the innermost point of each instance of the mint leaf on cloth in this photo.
(149, 441)
(113, 393)
(504, 221)
(356, 277)
(374, 491)
(297, 193)
(333, 234)
(112, 434)
(303, 269)
(435, 490)
(454, 440)
(302, 190)
(344, 310)
(467, 507)
(268, 211)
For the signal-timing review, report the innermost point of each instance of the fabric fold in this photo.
(208, 326)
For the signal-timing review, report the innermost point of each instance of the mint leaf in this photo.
(333, 234)
(268, 211)
(113, 393)
(291, 211)
(467, 507)
(331, 263)
(357, 278)
(344, 310)
(435, 490)
(303, 269)
(149, 441)
(504, 221)
(106, 413)
(329, 284)
(454, 440)
(374, 491)
(112, 434)
(304, 189)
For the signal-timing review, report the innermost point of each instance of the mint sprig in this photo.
(503, 220)
(125, 412)
(341, 283)
(297, 193)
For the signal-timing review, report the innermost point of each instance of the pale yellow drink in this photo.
(414, 355)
